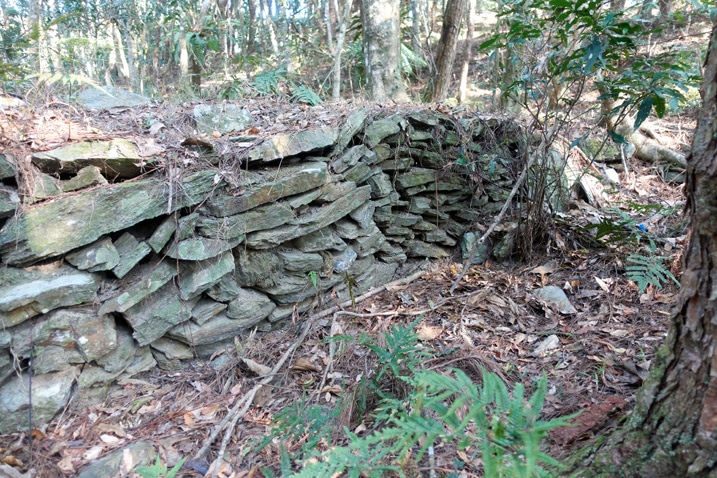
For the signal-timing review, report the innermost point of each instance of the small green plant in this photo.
(350, 282)
(648, 270)
(487, 422)
(159, 470)
(314, 277)
(267, 83)
(304, 94)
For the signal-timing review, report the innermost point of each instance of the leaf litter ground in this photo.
(594, 359)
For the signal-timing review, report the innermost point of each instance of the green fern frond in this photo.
(648, 270)
(304, 94)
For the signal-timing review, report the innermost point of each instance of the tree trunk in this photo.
(343, 13)
(673, 430)
(251, 27)
(467, 54)
(382, 49)
(452, 18)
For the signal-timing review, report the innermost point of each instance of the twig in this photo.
(372, 292)
(467, 262)
(246, 401)
(242, 405)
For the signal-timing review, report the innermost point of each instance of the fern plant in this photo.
(489, 423)
(648, 270)
(304, 94)
(502, 428)
(159, 470)
(267, 83)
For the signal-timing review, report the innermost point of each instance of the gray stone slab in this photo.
(311, 221)
(249, 307)
(85, 178)
(143, 282)
(267, 188)
(69, 222)
(109, 97)
(196, 277)
(292, 144)
(200, 248)
(130, 251)
(116, 158)
(101, 255)
(34, 296)
(157, 313)
(161, 236)
(50, 393)
(233, 227)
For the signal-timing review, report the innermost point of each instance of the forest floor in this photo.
(594, 359)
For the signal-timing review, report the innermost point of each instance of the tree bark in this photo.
(467, 55)
(452, 19)
(673, 430)
(382, 49)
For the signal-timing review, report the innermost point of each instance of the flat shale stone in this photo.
(200, 248)
(161, 236)
(43, 186)
(380, 185)
(234, 227)
(145, 281)
(354, 123)
(349, 158)
(292, 144)
(130, 251)
(225, 290)
(39, 295)
(101, 255)
(378, 130)
(268, 187)
(78, 334)
(115, 158)
(321, 240)
(9, 201)
(7, 167)
(418, 248)
(69, 222)
(159, 312)
(206, 309)
(415, 177)
(50, 393)
(312, 221)
(249, 307)
(85, 177)
(196, 277)
(256, 268)
(297, 261)
(364, 214)
(217, 329)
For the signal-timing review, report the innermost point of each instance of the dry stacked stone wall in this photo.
(110, 273)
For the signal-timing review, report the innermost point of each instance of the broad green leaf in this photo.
(592, 54)
(659, 106)
(643, 112)
(618, 138)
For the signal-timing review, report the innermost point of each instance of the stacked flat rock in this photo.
(103, 277)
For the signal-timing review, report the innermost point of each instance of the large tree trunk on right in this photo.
(673, 430)
(452, 19)
(382, 49)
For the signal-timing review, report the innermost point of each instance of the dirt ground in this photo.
(594, 358)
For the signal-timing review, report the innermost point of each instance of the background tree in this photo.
(452, 19)
(382, 49)
(673, 428)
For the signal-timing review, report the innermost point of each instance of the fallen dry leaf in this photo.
(257, 368)
(427, 332)
(303, 363)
